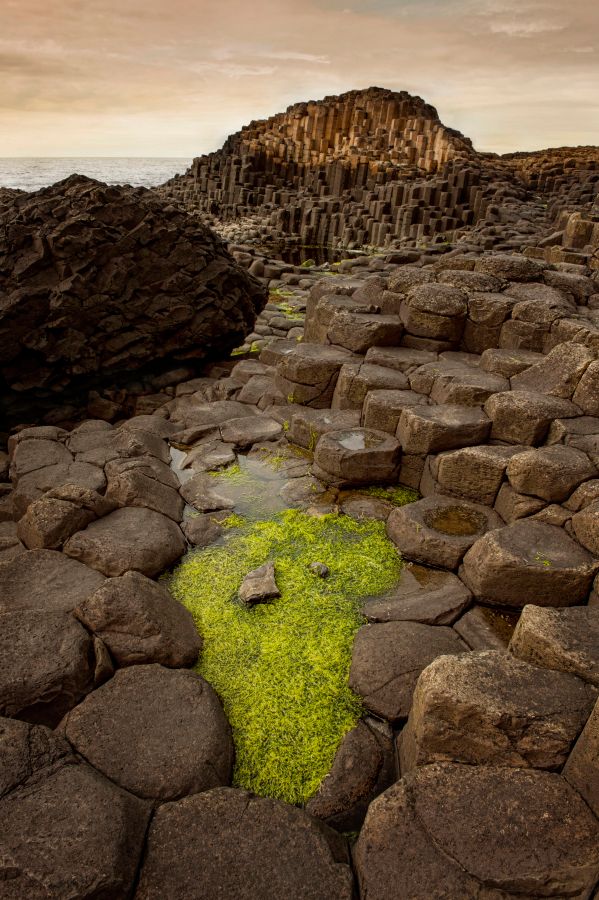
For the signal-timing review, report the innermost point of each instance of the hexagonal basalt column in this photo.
(439, 530)
(357, 456)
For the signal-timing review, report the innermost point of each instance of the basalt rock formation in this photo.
(376, 167)
(98, 281)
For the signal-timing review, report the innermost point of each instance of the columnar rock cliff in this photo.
(376, 167)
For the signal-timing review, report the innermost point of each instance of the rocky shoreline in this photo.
(449, 392)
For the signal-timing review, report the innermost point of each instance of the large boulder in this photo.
(130, 538)
(489, 708)
(99, 281)
(140, 622)
(529, 562)
(387, 659)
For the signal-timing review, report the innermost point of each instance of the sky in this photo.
(175, 77)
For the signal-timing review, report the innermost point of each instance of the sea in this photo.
(31, 174)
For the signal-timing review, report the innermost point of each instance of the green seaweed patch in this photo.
(232, 473)
(281, 668)
(398, 495)
(290, 312)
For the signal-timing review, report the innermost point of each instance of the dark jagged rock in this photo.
(99, 281)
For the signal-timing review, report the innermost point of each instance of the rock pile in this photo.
(99, 282)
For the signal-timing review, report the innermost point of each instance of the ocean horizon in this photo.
(34, 173)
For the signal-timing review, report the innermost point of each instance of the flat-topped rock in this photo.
(478, 831)
(508, 362)
(357, 456)
(230, 844)
(489, 708)
(138, 539)
(529, 562)
(558, 374)
(474, 473)
(140, 622)
(46, 579)
(563, 639)
(439, 530)
(435, 311)
(244, 432)
(159, 733)
(431, 429)
(307, 425)
(388, 658)
(512, 267)
(357, 379)
(382, 408)
(68, 832)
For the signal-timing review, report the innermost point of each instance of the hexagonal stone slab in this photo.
(387, 659)
(529, 562)
(140, 622)
(478, 831)
(70, 833)
(431, 429)
(562, 639)
(46, 579)
(357, 456)
(160, 733)
(235, 846)
(489, 708)
(46, 664)
(138, 539)
(439, 530)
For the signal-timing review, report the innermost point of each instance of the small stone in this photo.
(259, 585)
(320, 569)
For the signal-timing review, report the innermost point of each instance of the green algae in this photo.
(398, 495)
(281, 669)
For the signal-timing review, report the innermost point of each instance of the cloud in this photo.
(525, 29)
(174, 77)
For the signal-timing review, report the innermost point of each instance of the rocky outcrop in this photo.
(100, 281)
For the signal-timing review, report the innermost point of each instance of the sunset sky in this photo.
(175, 77)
